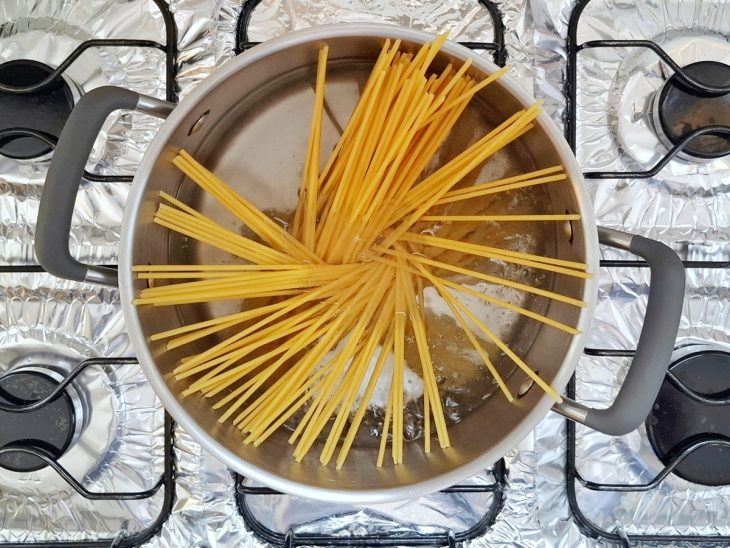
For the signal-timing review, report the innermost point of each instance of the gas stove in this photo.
(88, 457)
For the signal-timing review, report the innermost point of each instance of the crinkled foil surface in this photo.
(121, 446)
(49, 31)
(685, 206)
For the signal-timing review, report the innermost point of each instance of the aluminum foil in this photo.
(676, 506)
(434, 514)
(48, 31)
(121, 445)
(685, 206)
(121, 448)
(463, 20)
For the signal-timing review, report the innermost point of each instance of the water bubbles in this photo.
(431, 231)
(413, 421)
(452, 409)
(284, 224)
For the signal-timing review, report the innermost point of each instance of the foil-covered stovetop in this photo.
(684, 205)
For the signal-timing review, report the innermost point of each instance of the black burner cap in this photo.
(49, 429)
(678, 420)
(44, 111)
(683, 109)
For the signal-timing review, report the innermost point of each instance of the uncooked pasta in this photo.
(349, 272)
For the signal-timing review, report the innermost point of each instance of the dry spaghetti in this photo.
(349, 273)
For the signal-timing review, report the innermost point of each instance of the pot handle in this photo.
(656, 341)
(66, 171)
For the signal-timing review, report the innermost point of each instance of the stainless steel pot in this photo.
(245, 122)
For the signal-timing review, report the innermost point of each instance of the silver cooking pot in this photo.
(248, 123)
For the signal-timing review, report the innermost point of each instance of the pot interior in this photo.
(252, 132)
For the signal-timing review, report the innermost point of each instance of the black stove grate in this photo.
(573, 477)
(166, 482)
(496, 46)
(243, 491)
(170, 49)
(571, 89)
(289, 539)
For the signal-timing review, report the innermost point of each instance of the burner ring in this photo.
(678, 109)
(63, 416)
(43, 111)
(682, 418)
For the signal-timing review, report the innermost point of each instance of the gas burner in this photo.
(693, 406)
(640, 80)
(51, 429)
(87, 407)
(679, 109)
(43, 111)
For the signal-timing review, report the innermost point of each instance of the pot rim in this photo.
(126, 282)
